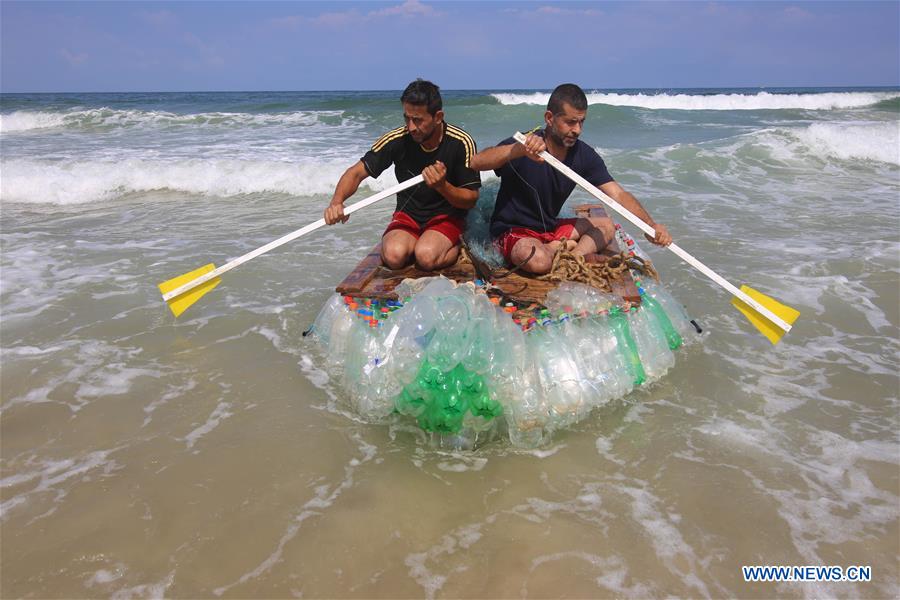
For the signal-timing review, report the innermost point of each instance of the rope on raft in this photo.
(568, 266)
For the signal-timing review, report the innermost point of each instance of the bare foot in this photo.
(556, 245)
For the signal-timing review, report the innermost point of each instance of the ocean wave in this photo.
(27, 120)
(854, 141)
(78, 182)
(863, 141)
(759, 101)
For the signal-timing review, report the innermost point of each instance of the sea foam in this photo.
(759, 101)
(103, 117)
(78, 182)
(866, 141)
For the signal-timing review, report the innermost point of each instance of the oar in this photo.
(182, 291)
(772, 318)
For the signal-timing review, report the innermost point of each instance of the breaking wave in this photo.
(868, 141)
(78, 182)
(759, 101)
(26, 120)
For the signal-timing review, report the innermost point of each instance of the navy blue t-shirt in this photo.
(532, 194)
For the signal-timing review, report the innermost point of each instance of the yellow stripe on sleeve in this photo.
(390, 135)
(466, 140)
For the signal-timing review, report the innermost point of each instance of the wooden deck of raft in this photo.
(370, 279)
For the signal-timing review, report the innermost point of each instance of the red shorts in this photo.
(505, 243)
(449, 226)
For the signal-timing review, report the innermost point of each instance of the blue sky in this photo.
(216, 46)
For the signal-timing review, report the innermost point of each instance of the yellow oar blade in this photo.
(765, 326)
(181, 303)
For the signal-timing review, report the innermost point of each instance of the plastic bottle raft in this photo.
(453, 359)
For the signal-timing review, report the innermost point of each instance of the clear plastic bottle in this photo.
(592, 353)
(321, 327)
(450, 342)
(651, 344)
(480, 334)
(677, 314)
(615, 375)
(559, 374)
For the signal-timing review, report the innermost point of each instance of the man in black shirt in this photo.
(532, 192)
(428, 220)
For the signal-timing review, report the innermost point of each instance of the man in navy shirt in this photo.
(429, 219)
(532, 193)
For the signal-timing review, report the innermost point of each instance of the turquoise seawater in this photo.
(213, 455)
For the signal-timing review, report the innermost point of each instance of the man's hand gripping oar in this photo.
(182, 291)
(769, 316)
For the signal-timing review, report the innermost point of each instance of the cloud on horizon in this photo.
(409, 9)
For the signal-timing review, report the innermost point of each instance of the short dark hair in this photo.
(423, 93)
(568, 93)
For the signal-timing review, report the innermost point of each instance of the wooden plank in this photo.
(372, 280)
(385, 283)
(362, 274)
(587, 211)
(381, 283)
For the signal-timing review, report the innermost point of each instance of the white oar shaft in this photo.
(289, 237)
(640, 224)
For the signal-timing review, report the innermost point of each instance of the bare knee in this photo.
(537, 259)
(540, 264)
(394, 256)
(429, 258)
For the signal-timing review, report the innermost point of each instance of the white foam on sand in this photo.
(176, 392)
(462, 464)
(433, 567)
(461, 538)
(219, 414)
(667, 541)
(611, 572)
(326, 495)
(98, 369)
(146, 590)
(54, 478)
(833, 499)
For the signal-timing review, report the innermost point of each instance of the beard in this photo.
(420, 135)
(561, 140)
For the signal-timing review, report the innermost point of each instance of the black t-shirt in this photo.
(532, 194)
(409, 158)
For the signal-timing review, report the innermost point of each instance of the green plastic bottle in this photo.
(619, 324)
(673, 339)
